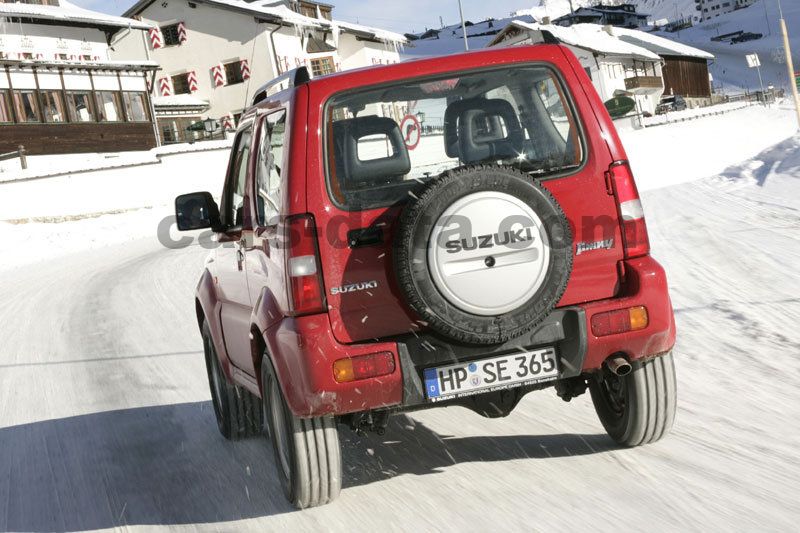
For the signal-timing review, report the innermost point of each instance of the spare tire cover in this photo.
(483, 254)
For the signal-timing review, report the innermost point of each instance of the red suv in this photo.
(453, 231)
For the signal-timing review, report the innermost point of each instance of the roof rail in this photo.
(293, 78)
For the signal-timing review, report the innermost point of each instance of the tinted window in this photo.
(233, 73)
(25, 106)
(53, 106)
(233, 215)
(108, 106)
(79, 107)
(269, 168)
(135, 107)
(171, 35)
(382, 143)
(180, 84)
(5, 108)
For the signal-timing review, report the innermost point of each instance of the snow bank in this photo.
(116, 188)
(55, 165)
(682, 152)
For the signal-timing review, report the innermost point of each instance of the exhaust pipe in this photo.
(619, 365)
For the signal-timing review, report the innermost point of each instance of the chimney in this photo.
(546, 20)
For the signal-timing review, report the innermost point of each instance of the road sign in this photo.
(753, 61)
(411, 130)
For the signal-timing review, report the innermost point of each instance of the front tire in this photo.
(238, 412)
(308, 455)
(638, 408)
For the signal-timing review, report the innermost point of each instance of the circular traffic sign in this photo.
(411, 130)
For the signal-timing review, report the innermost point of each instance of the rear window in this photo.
(383, 143)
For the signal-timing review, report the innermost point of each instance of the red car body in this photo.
(246, 298)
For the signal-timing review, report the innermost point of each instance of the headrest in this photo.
(473, 130)
(351, 170)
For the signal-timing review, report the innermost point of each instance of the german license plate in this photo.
(506, 371)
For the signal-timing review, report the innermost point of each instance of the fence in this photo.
(19, 152)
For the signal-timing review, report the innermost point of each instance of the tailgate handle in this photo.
(359, 238)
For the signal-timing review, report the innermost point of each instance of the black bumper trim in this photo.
(563, 328)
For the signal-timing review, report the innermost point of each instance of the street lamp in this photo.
(210, 125)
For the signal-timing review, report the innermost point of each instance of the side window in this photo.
(549, 93)
(233, 211)
(268, 168)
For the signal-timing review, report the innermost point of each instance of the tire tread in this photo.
(650, 406)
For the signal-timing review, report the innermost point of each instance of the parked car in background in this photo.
(671, 103)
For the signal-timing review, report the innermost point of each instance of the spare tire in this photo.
(483, 254)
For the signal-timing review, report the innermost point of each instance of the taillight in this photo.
(620, 321)
(363, 367)
(634, 230)
(303, 267)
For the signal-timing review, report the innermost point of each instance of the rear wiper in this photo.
(553, 170)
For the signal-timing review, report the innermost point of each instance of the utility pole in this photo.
(463, 25)
(790, 63)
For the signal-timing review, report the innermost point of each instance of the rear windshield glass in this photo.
(384, 143)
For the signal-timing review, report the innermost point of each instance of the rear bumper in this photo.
(645, 285)
(305, 350)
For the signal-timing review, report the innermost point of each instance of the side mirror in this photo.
(197, 210)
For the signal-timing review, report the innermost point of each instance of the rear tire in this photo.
(238, 412)
(308, 456)
(638, 408)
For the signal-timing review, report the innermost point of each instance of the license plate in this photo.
(510, 370)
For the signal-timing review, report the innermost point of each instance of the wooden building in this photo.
(60, 92)
(686, 76)
(685, 68)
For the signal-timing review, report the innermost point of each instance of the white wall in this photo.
(52, 40)
(608, 75)
(213, 36)
(217, 35)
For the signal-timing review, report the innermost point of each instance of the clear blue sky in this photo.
(397, 15)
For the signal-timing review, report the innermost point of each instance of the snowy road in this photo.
(105, 418)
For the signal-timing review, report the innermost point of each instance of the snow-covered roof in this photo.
(659, 45)
(124, 64)
(450, 39)
(603, 10)
(591, 37)
(281, 13)
(69, 13)
(179, 100)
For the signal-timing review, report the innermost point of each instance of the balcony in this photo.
(644, 84)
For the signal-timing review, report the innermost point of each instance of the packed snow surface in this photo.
(106, 422)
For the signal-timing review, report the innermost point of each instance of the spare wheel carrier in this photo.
(484, 254)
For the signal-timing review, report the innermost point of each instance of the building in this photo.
(684, 68)
(220, 51)
(623, 15)
(59, 90)
(709, 9)
(614, 66)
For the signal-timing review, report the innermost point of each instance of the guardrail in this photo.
(681, 116)
(19, 152)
